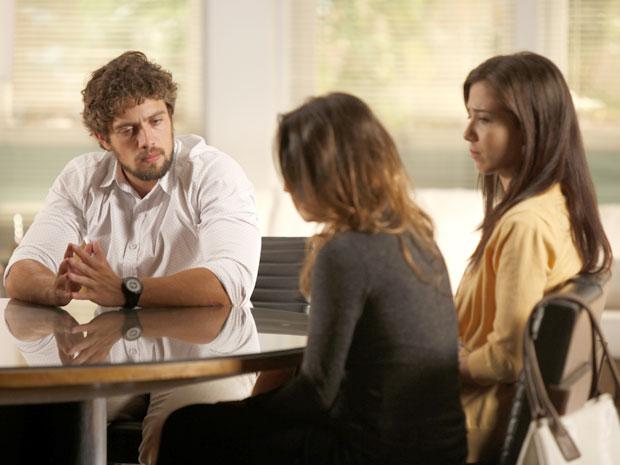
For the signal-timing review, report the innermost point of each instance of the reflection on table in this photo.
(178, 344)
(39, 363)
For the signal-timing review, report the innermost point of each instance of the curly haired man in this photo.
(154, 220)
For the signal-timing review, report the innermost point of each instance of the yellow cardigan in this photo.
(530, 252)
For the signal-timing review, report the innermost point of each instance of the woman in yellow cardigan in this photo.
(541, 226)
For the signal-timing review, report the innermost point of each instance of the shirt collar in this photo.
(167, 181)
(109, 177)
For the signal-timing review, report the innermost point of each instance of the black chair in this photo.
(277, 287)
(563, 345)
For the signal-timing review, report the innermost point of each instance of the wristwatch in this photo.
(132, 328)
(132, 289)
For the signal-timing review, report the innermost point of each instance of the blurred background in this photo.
(240, 63)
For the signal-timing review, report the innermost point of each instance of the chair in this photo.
(563, 345)
(277, 287)
(277, 284)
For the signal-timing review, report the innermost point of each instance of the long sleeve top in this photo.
(530, 252)
(381, 359)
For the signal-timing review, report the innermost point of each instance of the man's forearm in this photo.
(195, 287)
(31, 281)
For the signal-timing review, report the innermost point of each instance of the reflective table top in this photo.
(78, 351)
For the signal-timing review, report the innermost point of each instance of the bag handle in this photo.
(540, 404)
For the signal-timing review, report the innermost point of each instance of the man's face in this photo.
(142, 140)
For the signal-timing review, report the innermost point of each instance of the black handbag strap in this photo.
(540, 404)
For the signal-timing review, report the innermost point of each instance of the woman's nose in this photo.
(469, 134)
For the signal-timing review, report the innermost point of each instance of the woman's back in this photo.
(392, 341)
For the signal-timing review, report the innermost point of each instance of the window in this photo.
(48, 51)
(58, 44)
(408, 60)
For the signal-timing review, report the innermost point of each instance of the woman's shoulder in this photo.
(361, 242)
(543, 215)
(345, 243)
(544, 208)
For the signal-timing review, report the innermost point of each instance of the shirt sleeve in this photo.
(338, 295)
(59, 222)
(228, 229)
(522, 258)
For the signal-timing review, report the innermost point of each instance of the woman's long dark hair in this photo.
(533, 89)
(342, 169)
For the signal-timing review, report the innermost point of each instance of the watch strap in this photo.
(132, 289)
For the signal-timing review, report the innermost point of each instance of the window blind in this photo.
(58, 44)
(409, 58)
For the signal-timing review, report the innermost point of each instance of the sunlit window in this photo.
(58, 44)
(408, 59)
(49, 49)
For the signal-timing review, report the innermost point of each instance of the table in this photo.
(50, 377)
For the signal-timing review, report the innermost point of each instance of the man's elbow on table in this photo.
(25, 280)
(17, 279)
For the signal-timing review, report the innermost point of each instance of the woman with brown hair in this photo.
(541, 227)
(379, 380)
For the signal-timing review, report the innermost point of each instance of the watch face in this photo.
(133, 333)
(134, 285)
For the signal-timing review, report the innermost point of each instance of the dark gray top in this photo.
(381, 359)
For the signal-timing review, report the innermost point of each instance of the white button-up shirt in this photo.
(202, 213)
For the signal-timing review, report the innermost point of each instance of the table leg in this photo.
(93, 427)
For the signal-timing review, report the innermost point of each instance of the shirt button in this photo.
(132, 246)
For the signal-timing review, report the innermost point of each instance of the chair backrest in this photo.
(277, 284)
(564, 348)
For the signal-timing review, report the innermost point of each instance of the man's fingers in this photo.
(82, 345)
(69, 251)
(82, 280)
(63, 296)
(92, 354)
(64, 266)
(84, 255)
(81, 329)
(79, 265)
(81, 295)
(97, 249)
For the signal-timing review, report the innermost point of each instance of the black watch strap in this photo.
(132, 290)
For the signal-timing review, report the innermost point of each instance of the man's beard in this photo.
(151, 173)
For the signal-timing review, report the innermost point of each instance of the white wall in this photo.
(246, 85)
(247, 64)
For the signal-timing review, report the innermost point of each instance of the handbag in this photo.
(589, 435)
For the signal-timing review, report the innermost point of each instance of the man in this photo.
(155, 220)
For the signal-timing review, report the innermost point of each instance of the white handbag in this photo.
(587, 436)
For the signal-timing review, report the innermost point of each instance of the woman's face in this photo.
(494, 139)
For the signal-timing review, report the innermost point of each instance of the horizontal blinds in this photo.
(408, 60)
(58, 44)
(594, 67)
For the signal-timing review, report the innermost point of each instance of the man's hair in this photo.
(533, 90)
(122, 83)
